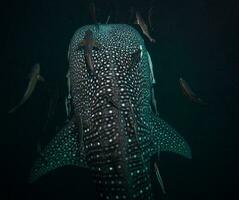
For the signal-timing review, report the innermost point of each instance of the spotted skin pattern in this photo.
(116, 133)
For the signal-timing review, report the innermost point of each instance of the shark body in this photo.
(114, 132)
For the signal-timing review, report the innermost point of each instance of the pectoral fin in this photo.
(64, 149)
(168, 139)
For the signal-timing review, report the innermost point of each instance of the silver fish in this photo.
(93, 12)
(88, 43)
(68, 98)
(140, 21)
(187, 91)
(34, 78)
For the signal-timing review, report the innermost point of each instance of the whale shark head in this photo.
(121, 67)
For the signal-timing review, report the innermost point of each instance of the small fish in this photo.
(154, 102)
(68, 107)
(153, 82)
(34, 78)
(140, 21)
(68, 83)
(88, 43)
(108, 19)
(92, 12)
(159, 178)
(187, 91)
(68, 98)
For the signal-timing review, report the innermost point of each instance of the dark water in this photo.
(196, 40)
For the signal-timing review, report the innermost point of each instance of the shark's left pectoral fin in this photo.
(64, 149)
(167, 139)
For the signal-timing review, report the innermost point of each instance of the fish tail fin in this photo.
(138, 17)
(167, 139)
(12, 110)
(136, 21)
(64, 149)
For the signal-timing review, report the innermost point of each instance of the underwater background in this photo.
(196, 40)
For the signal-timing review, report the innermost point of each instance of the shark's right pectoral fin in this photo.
(167, 139)
(64, 149)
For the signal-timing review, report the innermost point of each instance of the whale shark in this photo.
(114, 132)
